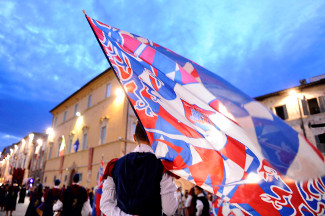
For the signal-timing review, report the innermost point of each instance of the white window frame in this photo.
(75, 109)
(59, 146)
(65, 116)
(108, 90)
(90, 98)
(50, 151)
(70, 144)
(103, 136)
(84, 139)
(55, 121)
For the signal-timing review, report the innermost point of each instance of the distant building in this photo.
(23, 160)
(93, 123)
(302, 107)
(6, 164)
(36, 161)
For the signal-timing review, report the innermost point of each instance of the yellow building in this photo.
(99, 117)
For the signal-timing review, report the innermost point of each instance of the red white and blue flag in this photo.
(96, 203)
(210, 133)
(101, 172)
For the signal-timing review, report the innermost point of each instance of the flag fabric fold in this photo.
(210, 133)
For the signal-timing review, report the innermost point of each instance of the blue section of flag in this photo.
(76, 145)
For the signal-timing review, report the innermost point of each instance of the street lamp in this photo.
(296, 95)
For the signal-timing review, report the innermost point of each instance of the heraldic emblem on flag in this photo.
(210, 133)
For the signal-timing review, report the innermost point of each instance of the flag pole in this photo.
(101, 46)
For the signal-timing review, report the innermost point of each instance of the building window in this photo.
(133, 128)
(70, 144)
(65, 116)
(313, 106)
(55, 121)
(108, 90)
(103, 134)
(84, 140)
(75, 109)
(54, 178)
(65, 178)
(50, 152)
(321, 101)
(320, 142)
(90, 97)
(80, 177)
(45, 178)
(59, 146)
(281, 111)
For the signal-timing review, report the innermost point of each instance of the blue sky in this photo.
(48, 51)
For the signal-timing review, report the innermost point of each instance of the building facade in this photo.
(302, 107)
(95, 123)
(24, 160)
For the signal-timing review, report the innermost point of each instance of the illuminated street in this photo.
(20, 208)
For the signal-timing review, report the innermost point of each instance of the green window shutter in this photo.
(321, 100)
(304, 107)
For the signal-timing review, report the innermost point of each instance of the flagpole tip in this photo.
(84, 12)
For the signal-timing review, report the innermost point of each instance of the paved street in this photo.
(20, 209)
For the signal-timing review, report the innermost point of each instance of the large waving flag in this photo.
(210, 133)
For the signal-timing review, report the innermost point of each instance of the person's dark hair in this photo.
(76, 178)
(40, 187)
(57, 182)
(199, 188)
(140, 134)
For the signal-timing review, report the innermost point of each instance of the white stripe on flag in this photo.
(140, 49)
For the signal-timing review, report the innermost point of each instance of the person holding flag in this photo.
(138, 184)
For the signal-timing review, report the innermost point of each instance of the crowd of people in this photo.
(194, 202)
(45, 201)
(8, 197)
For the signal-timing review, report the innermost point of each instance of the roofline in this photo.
(84, 86)
(319, 82)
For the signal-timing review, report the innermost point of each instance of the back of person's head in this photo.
(57, 182)
(140, 134)
(75, 178)
(197, 190)
(40, 187)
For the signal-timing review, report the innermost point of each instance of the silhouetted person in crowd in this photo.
(2, 197)
(137, 184)
(11, 198)
(202, 204)
(51, 196)
(35, 201)
(74, 200)
(91, 196)
(22, 194)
